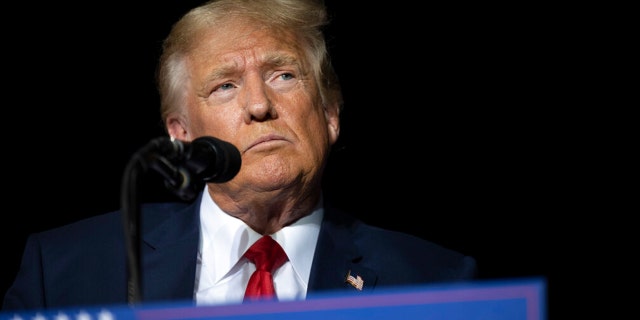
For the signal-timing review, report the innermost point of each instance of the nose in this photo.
(258, 103)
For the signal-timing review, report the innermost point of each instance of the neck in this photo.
(268, 212)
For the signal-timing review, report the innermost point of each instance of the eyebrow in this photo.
(281, 60)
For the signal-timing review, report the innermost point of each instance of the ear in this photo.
(332, 114)
(177, 127)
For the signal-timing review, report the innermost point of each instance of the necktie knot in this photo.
(268, 256)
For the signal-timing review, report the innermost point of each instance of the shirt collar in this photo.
(223, 235)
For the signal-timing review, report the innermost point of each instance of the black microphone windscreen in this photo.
(213, 160)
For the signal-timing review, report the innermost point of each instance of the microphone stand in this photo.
(139, 164)
(132, 227)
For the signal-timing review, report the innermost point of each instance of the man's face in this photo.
(253, 87)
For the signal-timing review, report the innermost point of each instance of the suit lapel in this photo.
(170, 249)
(336, 258)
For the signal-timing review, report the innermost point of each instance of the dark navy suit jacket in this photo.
(85, 263)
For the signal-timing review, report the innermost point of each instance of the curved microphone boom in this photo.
(186, 166)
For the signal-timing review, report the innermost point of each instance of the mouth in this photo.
(265, 142)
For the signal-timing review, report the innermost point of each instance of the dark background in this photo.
(452, 128)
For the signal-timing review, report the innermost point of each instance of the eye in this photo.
(223, 91)
(287, 76)
(226, 86)
(284, 81)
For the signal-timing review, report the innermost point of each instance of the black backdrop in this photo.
(446, 131)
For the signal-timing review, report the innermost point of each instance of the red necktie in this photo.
(268, 256)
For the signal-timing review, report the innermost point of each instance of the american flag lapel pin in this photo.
(356, 281)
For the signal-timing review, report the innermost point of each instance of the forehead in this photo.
(242, 37)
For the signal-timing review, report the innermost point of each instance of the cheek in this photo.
(212, 121)
(316, 128)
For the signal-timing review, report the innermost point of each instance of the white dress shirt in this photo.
(222, 273)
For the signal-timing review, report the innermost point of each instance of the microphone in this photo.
(207, 158)
(186, 165)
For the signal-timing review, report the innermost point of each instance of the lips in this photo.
(265, 140)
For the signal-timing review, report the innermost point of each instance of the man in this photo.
(257, 75)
